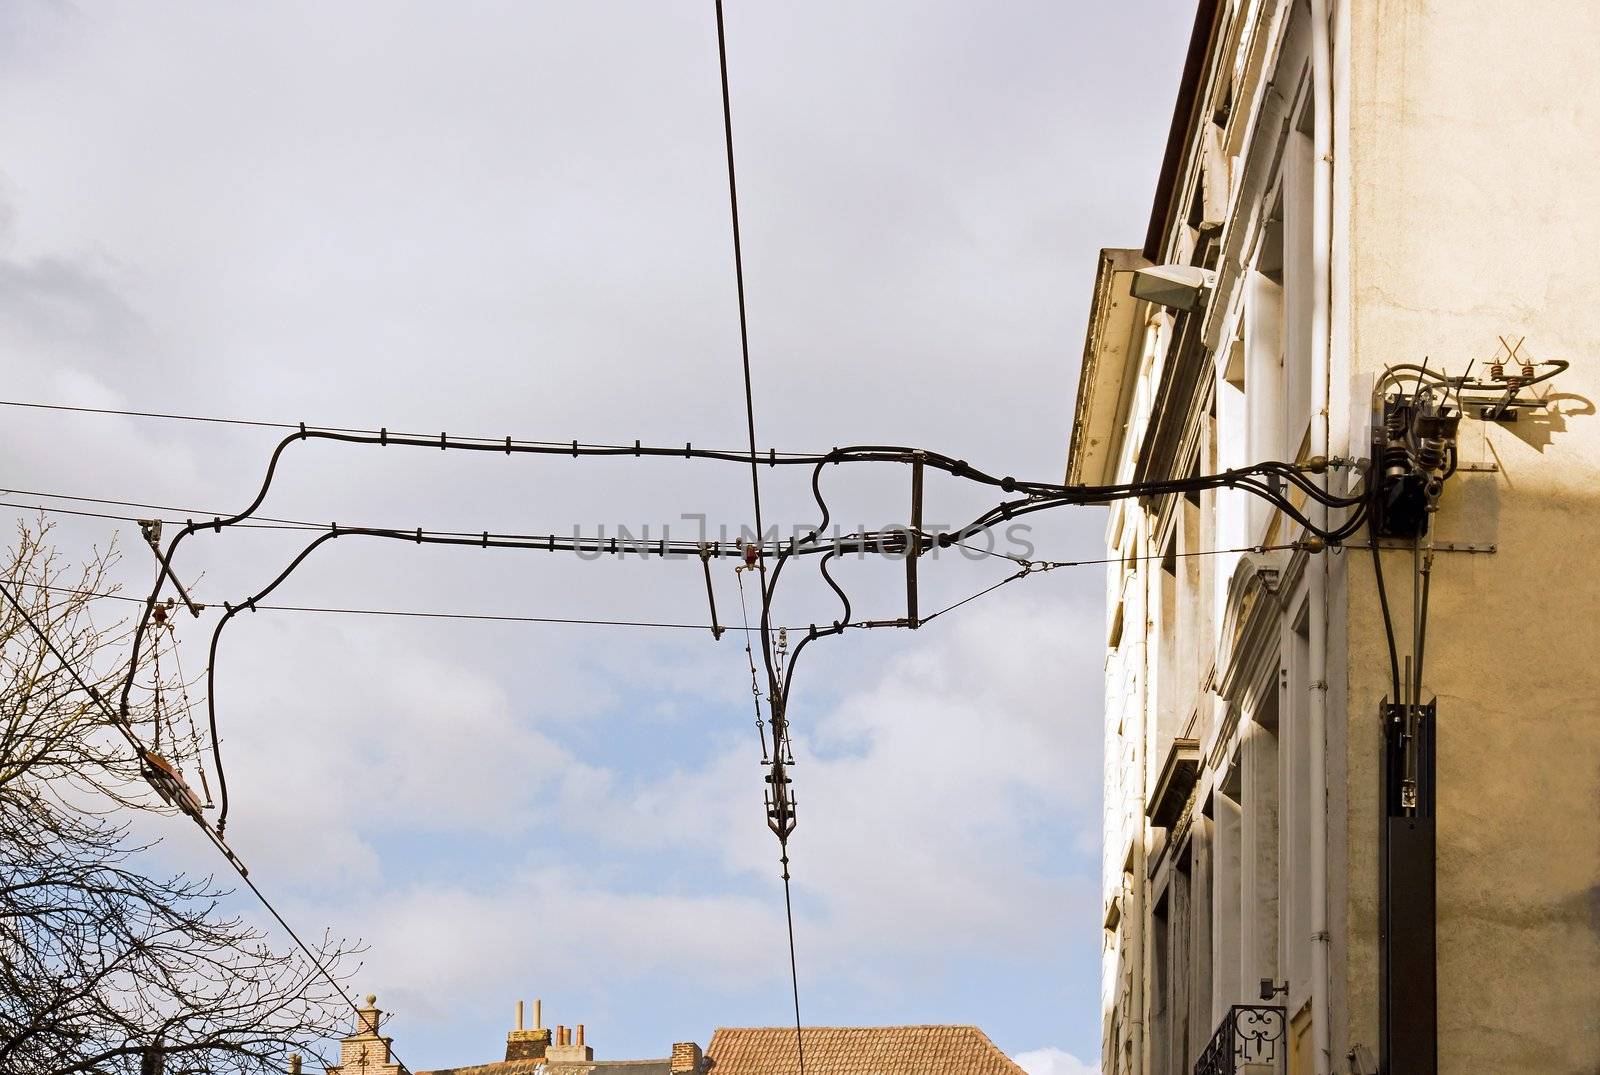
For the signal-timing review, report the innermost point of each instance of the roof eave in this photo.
(1109, 358)
(1183, 118)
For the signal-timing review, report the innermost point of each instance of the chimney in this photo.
(565, 1049)
(294, 1064)
(686, 1059)
(524, 1044)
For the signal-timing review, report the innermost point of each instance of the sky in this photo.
(512, 218)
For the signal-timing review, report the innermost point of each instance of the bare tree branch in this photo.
(100, 960)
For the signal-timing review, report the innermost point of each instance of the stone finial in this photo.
(369, 1018)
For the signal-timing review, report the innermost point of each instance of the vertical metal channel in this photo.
(1408, 917)
(914, 543)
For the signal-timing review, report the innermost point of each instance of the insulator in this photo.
(1394, 423)
(1316, 464)
(1497, 371)
(1430, 453)
(1396, 461)
(1527, 371)
(750, 554)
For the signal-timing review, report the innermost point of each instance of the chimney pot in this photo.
(294, 1064)
(519, 1015)
(580, 1034)
(538, 1014)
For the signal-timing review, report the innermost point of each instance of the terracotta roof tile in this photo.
(500, 1067)
(881, 1050)
(561, 1067)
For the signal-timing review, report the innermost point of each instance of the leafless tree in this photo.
(105, 963)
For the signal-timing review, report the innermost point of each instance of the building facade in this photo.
(1308, 868)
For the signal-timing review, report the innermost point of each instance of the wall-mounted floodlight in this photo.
(1177, 287)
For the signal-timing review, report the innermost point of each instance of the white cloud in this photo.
(435, 947)
(1052, 1061)
(921, 802)
(514, 223)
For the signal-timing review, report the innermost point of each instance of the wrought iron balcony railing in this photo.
(1250, 1037)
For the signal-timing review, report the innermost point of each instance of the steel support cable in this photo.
(263, 424)
(775, 715)
(1013, 577)
(744, 317)
(49, 509)
(597, 545)
(263, 521)
(119, 721)
(486, 617)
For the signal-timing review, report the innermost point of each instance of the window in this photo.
(1227, 912)
(1264, 385)
(1160, 986)
(1258, 833)
(1298, 290)
(1168, 666)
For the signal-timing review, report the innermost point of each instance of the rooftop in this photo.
(865, 1050)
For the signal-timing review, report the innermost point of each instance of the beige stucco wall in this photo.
(1475, 143)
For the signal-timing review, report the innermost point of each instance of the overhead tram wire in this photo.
(1263, 479)
(776, 714)
(119, 721)
(1039, 497)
